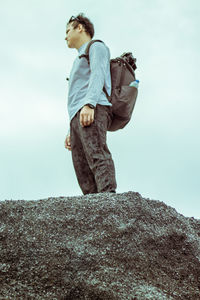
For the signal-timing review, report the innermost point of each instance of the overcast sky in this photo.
(157, 154)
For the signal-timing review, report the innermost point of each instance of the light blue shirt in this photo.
(86, 81)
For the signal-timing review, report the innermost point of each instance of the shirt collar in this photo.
(82, 48)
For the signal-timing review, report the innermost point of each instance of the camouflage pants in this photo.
(91, 157)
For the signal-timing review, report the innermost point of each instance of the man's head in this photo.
(79, 31)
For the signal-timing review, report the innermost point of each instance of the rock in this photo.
(98, 247)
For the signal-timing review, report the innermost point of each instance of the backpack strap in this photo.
(86, 55)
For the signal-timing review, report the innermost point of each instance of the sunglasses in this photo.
(72, 19)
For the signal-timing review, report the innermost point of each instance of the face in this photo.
(72, 35)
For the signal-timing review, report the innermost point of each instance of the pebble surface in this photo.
(98, 247)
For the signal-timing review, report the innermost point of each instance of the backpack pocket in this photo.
(123, 101)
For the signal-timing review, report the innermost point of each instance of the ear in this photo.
(80, 27)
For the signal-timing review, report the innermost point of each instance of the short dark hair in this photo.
(81, 19)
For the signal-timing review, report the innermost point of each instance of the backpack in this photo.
(123, 96)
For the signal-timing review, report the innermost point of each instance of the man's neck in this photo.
(82, 41)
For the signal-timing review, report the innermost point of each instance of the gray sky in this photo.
(157, 154)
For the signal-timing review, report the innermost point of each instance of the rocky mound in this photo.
(98, 247)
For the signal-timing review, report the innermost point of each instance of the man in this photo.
(89, 110)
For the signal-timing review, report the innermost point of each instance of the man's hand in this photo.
(68, 143)
(86, 116)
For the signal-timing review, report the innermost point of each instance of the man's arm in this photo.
(99, 60)
(99, 64)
